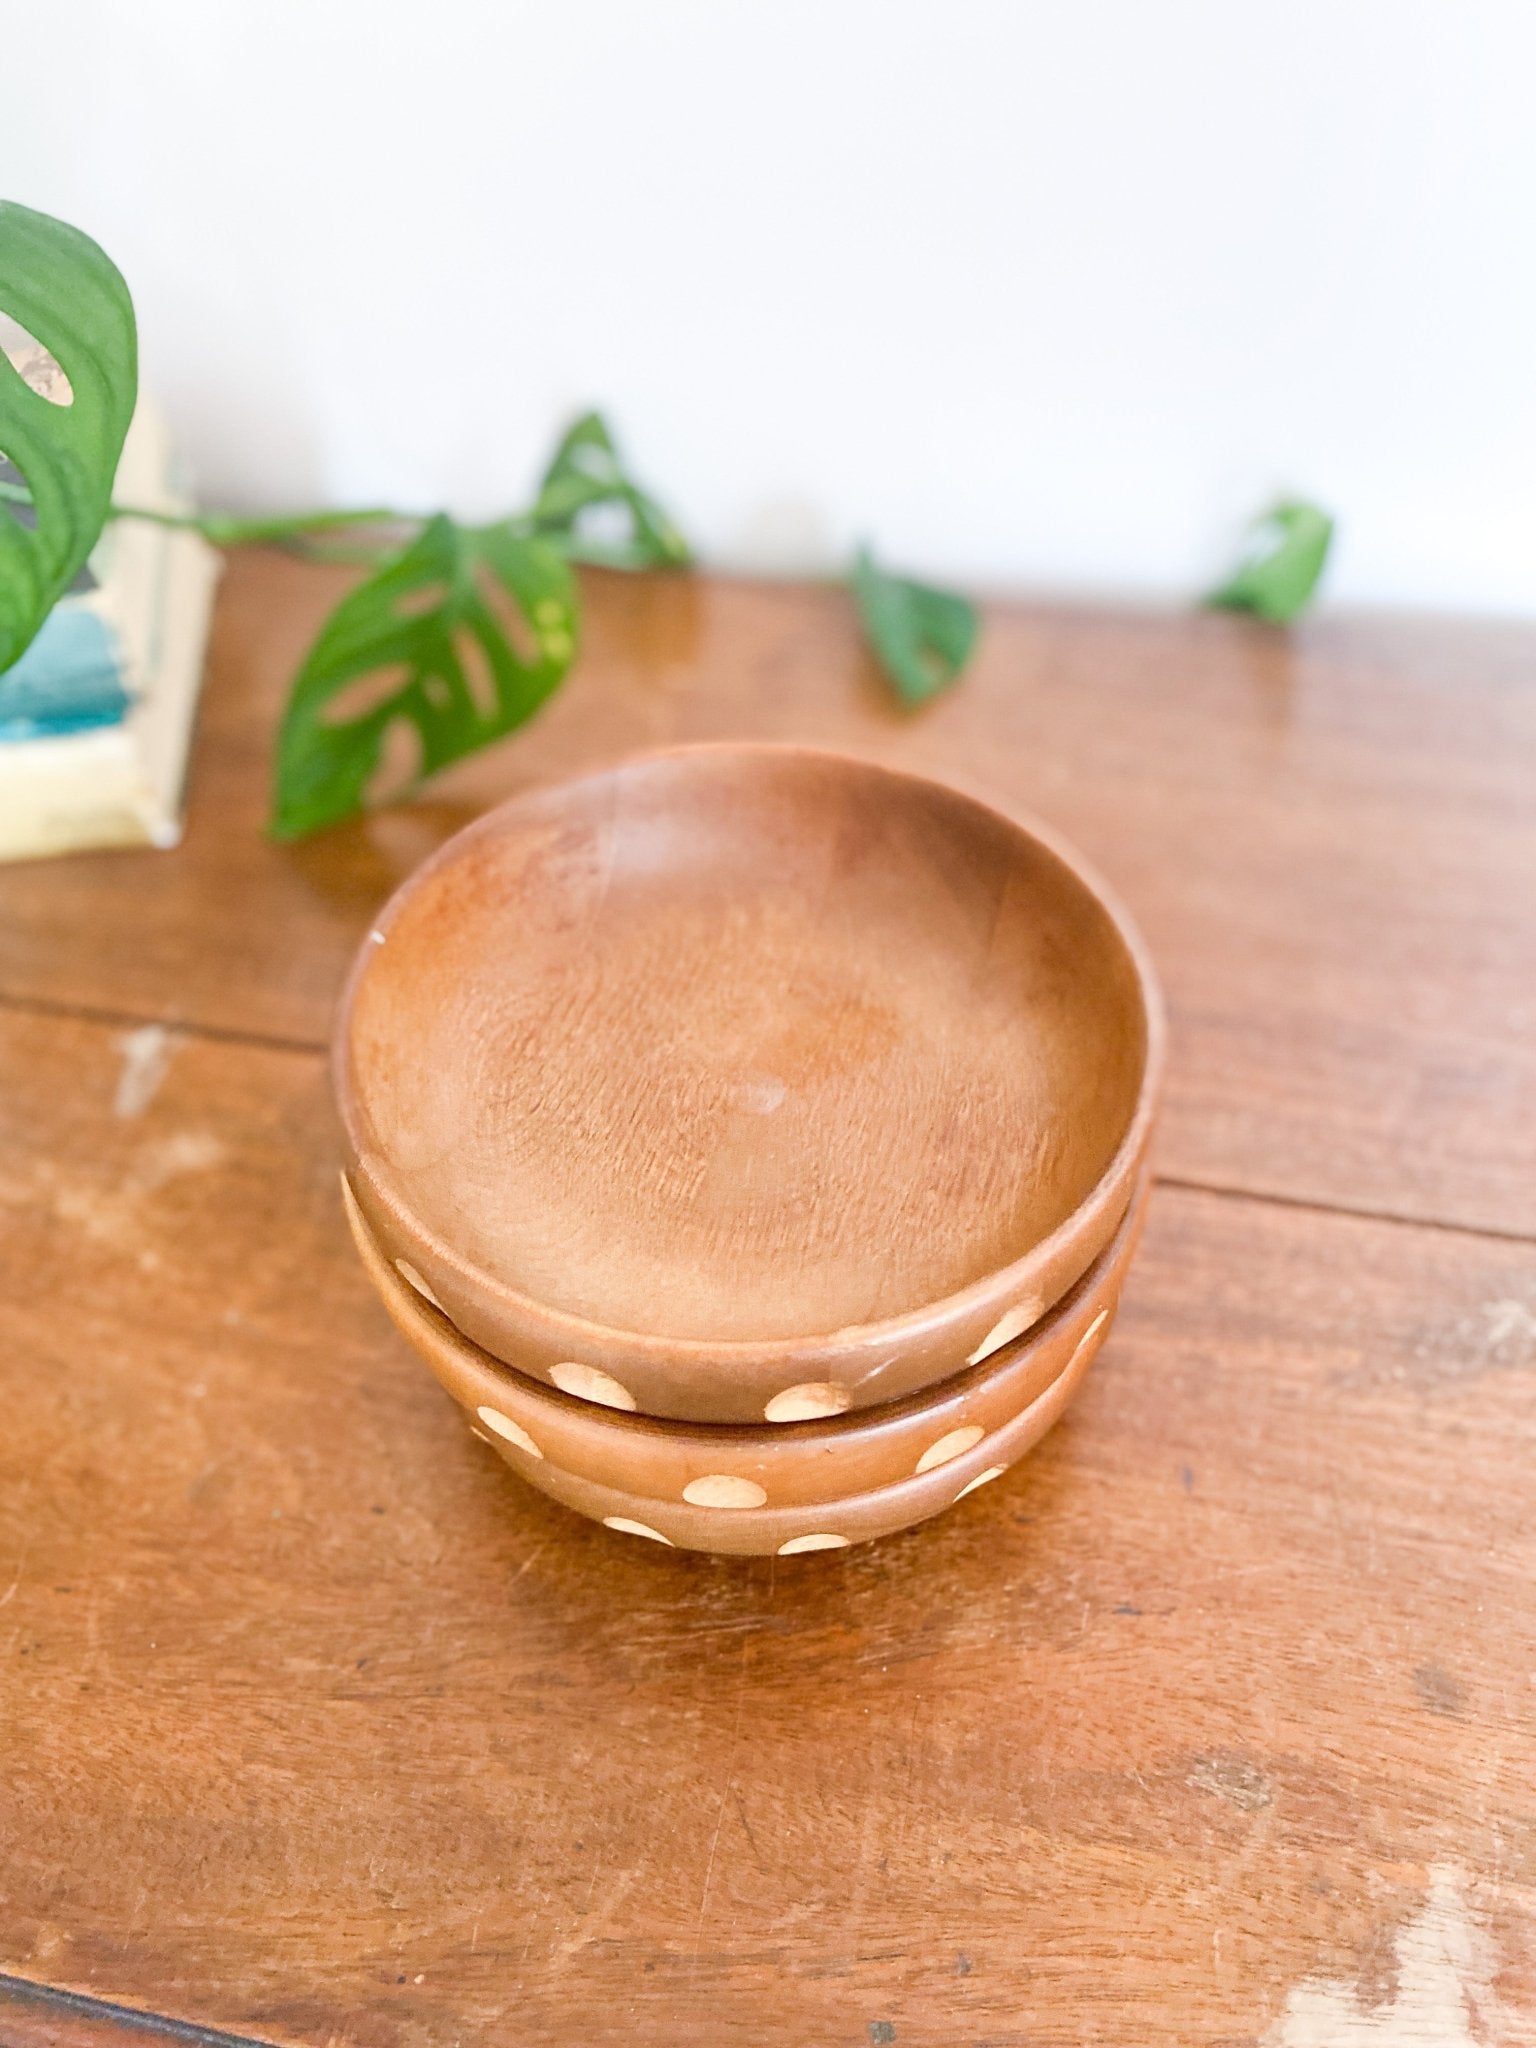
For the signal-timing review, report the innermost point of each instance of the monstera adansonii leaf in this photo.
(67, 296)
(456, 640)
(1283, 564)
(922, 637)
(585, 487)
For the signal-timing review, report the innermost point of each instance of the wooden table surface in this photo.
(1214, 1723)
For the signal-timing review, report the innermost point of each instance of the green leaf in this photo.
(1286, 552)
(586, 478)
(456, 640)
(920, 636)
(67, 294)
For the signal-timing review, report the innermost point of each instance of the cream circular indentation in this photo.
(724, 1490)
(808, 1403)
(1088, 1336)
(982, 1479)
(514, 1432)
(626, 1527)
(951, 1446)
(412, 1278)
(827, 1541)
(591, 1383)
(1006, 1328)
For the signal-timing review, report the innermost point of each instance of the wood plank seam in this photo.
(52, 1999)
(1228, 1192)
(133, 1020)
(264, 1041)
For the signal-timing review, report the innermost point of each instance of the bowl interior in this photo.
(742, 1044)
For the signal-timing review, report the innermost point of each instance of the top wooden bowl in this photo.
(747, 1082)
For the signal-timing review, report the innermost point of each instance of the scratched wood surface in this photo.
(1214, 1723)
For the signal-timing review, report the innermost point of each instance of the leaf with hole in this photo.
(456, 640)
(920, 636)
(595, 512)
(1284, 561)
(58, 287)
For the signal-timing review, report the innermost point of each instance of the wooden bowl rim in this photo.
(1013, 1279)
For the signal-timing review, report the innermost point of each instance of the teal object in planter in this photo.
(69, 679)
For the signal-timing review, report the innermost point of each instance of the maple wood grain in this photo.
(319, 1728)
(1327, 836)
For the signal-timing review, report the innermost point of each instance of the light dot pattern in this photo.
(982, 1479)
(1013, 1324)
(590, 1383)
(1088, 1336)
(514, 1432)
(626, 1527)
(808, 1403)
(412, 1278)
(824, 1541)
(951, 1446)
(724, 1490)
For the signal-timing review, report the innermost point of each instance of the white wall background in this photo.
(1038, 295)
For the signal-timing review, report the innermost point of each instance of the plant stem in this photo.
(359, 554)
(228, 532)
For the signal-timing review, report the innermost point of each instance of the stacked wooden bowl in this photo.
(751, 1139)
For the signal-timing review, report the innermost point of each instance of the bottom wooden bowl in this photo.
(836, 1525)
(778, 1465)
